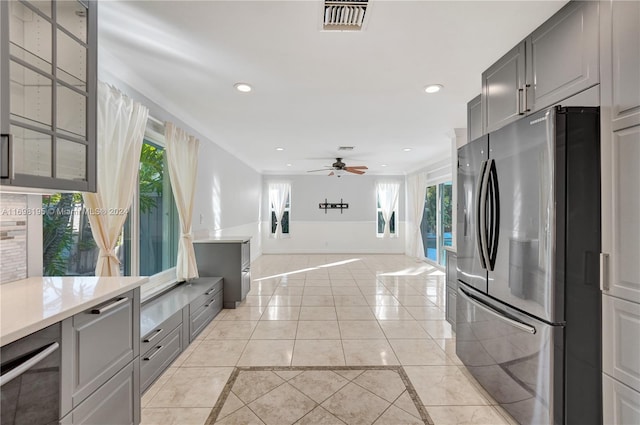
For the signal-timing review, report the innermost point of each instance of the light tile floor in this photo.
(328, 310)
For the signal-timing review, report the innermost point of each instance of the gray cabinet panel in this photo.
(451, 288)
(101, 343)
(231, 261)
(202, 316)
(620, 63)
(502, 95)
(474, 118)
(116, 402)
(562, 55)
(152, 338)
(159, 357)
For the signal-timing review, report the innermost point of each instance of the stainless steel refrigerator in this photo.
(528, 245)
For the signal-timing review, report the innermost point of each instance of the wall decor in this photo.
(333, 206)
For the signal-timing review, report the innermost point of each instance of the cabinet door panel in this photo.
(474, 118)
(621, 346)
(621, 404)
(501, 100)
(625, 64)
(562, 55)
(623, 242)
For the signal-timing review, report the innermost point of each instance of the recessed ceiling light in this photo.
(279, 149)
(407, 149)
(288, 165)
(433, 88)
(243, 87)
(383, 165)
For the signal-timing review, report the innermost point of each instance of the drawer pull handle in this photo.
(152, 337)
(210, 302)
(158, 348)
(111, 306)
(210, 291)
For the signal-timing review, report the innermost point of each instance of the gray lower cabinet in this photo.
(160, 356)
(474, 118)
(172, 320)
(558, 60)
(115, 402)
(229, 259)
(100, 379)
(451, 288)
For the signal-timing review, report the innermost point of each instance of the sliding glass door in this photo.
(436, 225)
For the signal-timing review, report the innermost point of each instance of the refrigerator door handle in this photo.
(482, 215)
(495, 214)
(515, 323)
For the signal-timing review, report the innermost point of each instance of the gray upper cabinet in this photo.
(502, 89)
(562, 55)
(474, 118)
(620, 36)
(558, 60)
(48, 81)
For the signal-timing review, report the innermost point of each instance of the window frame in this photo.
(393, 222)
(272, 218)
(156, 282)
(439, 196)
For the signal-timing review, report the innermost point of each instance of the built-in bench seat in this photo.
(171, 320)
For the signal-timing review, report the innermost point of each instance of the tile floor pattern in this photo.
(380, 395)
(329, 310)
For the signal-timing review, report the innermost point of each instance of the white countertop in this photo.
(31, 304)
(224, 239)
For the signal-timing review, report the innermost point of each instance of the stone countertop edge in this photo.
(451, 249)
(224, 239)
(23, 312)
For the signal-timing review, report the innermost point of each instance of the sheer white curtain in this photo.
(121, 125)
(416, 191)
(278, 195)
(182, 158)
(388, 198)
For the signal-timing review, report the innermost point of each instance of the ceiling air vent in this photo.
(344, 15)
(345, 148)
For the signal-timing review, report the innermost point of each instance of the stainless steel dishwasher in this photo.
(30, 379)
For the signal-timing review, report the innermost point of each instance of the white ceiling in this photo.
(314, 90)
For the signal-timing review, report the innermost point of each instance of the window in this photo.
(280, 199)
(386, 199)
(159, 229)
(436, 225)
(68, 245)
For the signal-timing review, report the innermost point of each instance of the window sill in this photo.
(284, 236)
(158, 283)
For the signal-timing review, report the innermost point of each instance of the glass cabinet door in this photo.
(50, 113)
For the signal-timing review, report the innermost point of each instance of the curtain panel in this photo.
(416, 191)
(182, 158)
(121, 125)
(388, 197)
(278, 195)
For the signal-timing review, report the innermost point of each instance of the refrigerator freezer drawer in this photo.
(518, 360)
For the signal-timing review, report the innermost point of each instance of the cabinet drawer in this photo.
(159, 357)
(103, 340)
(206, 296)
(157, 334)
(200, 318)
(116, 402)
(450, 310)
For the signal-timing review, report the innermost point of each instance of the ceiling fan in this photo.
(338, 167)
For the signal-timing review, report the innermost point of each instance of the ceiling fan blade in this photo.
(351, 170)
(324, 169)
(331, 173)
(358, 167)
